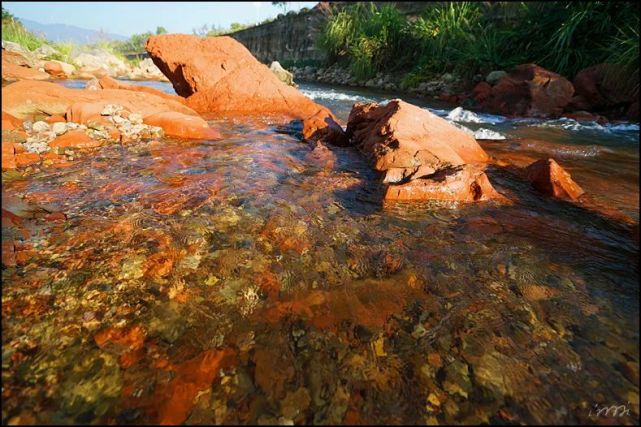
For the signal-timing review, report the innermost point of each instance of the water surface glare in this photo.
(254, 280)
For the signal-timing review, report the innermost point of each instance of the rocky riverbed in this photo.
(249, 270)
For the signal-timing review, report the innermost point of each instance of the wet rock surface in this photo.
(551, 179)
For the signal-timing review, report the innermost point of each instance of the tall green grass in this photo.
(14, 31)
(469, 37)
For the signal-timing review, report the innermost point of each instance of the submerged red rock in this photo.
(182, 125)
(465, 183)
(548, 177)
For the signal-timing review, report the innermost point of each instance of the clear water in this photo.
(255, 280)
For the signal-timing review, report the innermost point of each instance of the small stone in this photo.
(59, 128)
(433, 403)
(494, 77)
(419, 331)
(434, 359)
(135, 118)
(457, 380)
(118, 120)
(295, 403)
(40, 126)
(111, 109)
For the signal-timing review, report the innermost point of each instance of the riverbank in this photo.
(470, 94)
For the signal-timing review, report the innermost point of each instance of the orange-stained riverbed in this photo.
(254, 280)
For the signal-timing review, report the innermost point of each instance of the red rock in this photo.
(16, 58)
(408, 142)
(451, 98)
(74, 139)
(586, 116)
(127, 360)
(84, 112)
(54, 69)
(481, 92)
(548, 177)
(322, 127)
(174, 401)
(26, 159)
(107, 82)
(12, 72)
(603, 85)
(9, 122)
(8, 156)
(8, 253)
(23, 256)
(466, 183)
(56, 118)
(10, 219)
(159, 264)
(25, 99)
(578, 103)
(182, 126)
(219, 76)
(55, 216)
(121, 340)
(530, 90)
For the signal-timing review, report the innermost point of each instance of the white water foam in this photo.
(461, 115)
(333, 95)
(488, 134)
(627, 131)
(574, 151)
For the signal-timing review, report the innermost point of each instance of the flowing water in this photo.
(256, 280)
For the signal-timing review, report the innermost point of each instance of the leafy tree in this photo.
(6, 14)
(161, 30)
(202, 31)
(235, 26)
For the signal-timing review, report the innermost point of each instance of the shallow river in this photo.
(253, 280)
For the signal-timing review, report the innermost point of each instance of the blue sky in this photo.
(127, 18)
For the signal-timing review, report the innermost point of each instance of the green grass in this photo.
(13, 31)
(463, 38)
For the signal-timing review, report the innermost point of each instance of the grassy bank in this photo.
(473, 38)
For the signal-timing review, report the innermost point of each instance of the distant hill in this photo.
(64, 33)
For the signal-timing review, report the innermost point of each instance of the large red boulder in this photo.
(407, 142)
(464, 183)
(530, 90)
(220, 77)
(604, 85)
(548, 177)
